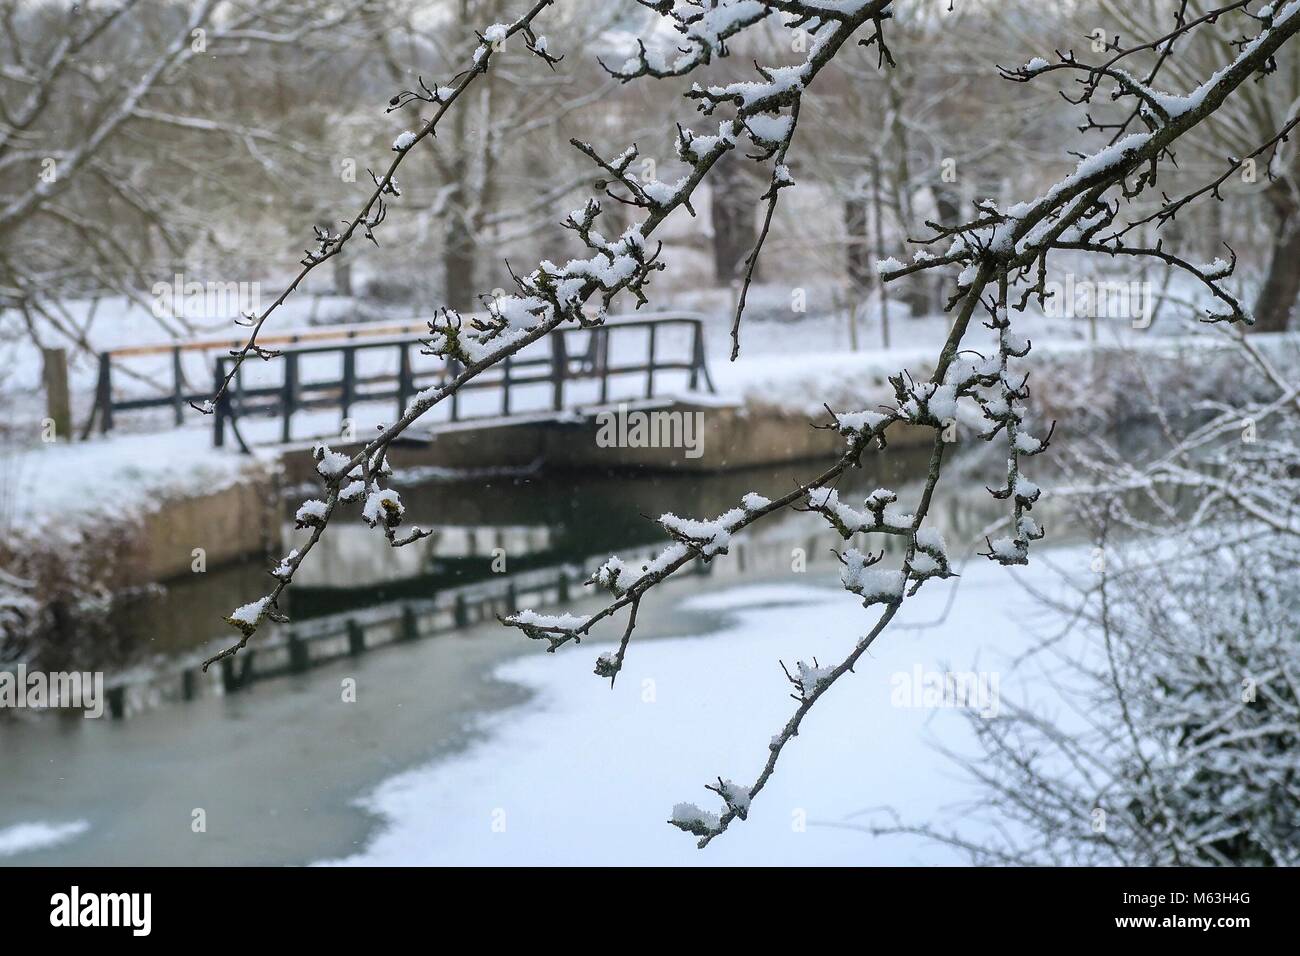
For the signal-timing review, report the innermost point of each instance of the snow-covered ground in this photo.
(586, 775)
(25, 837)
(63, 483)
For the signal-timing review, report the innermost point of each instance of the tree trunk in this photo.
(342, 276)
(734, 229)
(1277, 297)
(915, 291)
(947, 201)
(857, 253)
(458, 265)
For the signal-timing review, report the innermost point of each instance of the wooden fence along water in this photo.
(298, 648)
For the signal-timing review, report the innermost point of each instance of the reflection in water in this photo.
(496, 537)
(499, 525)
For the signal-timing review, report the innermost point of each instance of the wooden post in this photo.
(229, 683)
(878, 215)
(117, 702)
(460, 613)
(58, 403)
(602, 353)
(697, 355)
(218, 413)
(405, 385)
(851, 313)
(410, 626)
(104, 393)
(356, 638)
(559, 368)
(178, 387)
(289, 396)
(453, 369)
(650, 366)
(299, 658)
(349, 379)
(505, 386)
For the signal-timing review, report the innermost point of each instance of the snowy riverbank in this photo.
(583, 775)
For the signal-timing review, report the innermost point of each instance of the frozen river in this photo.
(480, 748)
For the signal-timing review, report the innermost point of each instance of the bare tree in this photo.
(89, 203)
(895, 144)
(488, 197)
(1270, 180)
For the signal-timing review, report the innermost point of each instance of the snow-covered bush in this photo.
(1180, 743)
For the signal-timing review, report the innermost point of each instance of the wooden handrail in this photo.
(319, 333)
(314, 334)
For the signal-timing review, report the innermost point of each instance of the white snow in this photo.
(568, 622)
(1007, 549)
(286, 564)
(383, 506)
(873, 584)
(627, 761)
(332, 463)
(812, 675)
(249, 613)
(25, 837)
(692, 816)
(923, 564)
(311, 512)
(769, 129)
(713, 535)
(621, 577)
(860, 422)
(931, 539)
(65, 484)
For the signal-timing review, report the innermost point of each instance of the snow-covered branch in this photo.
(999, 252)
